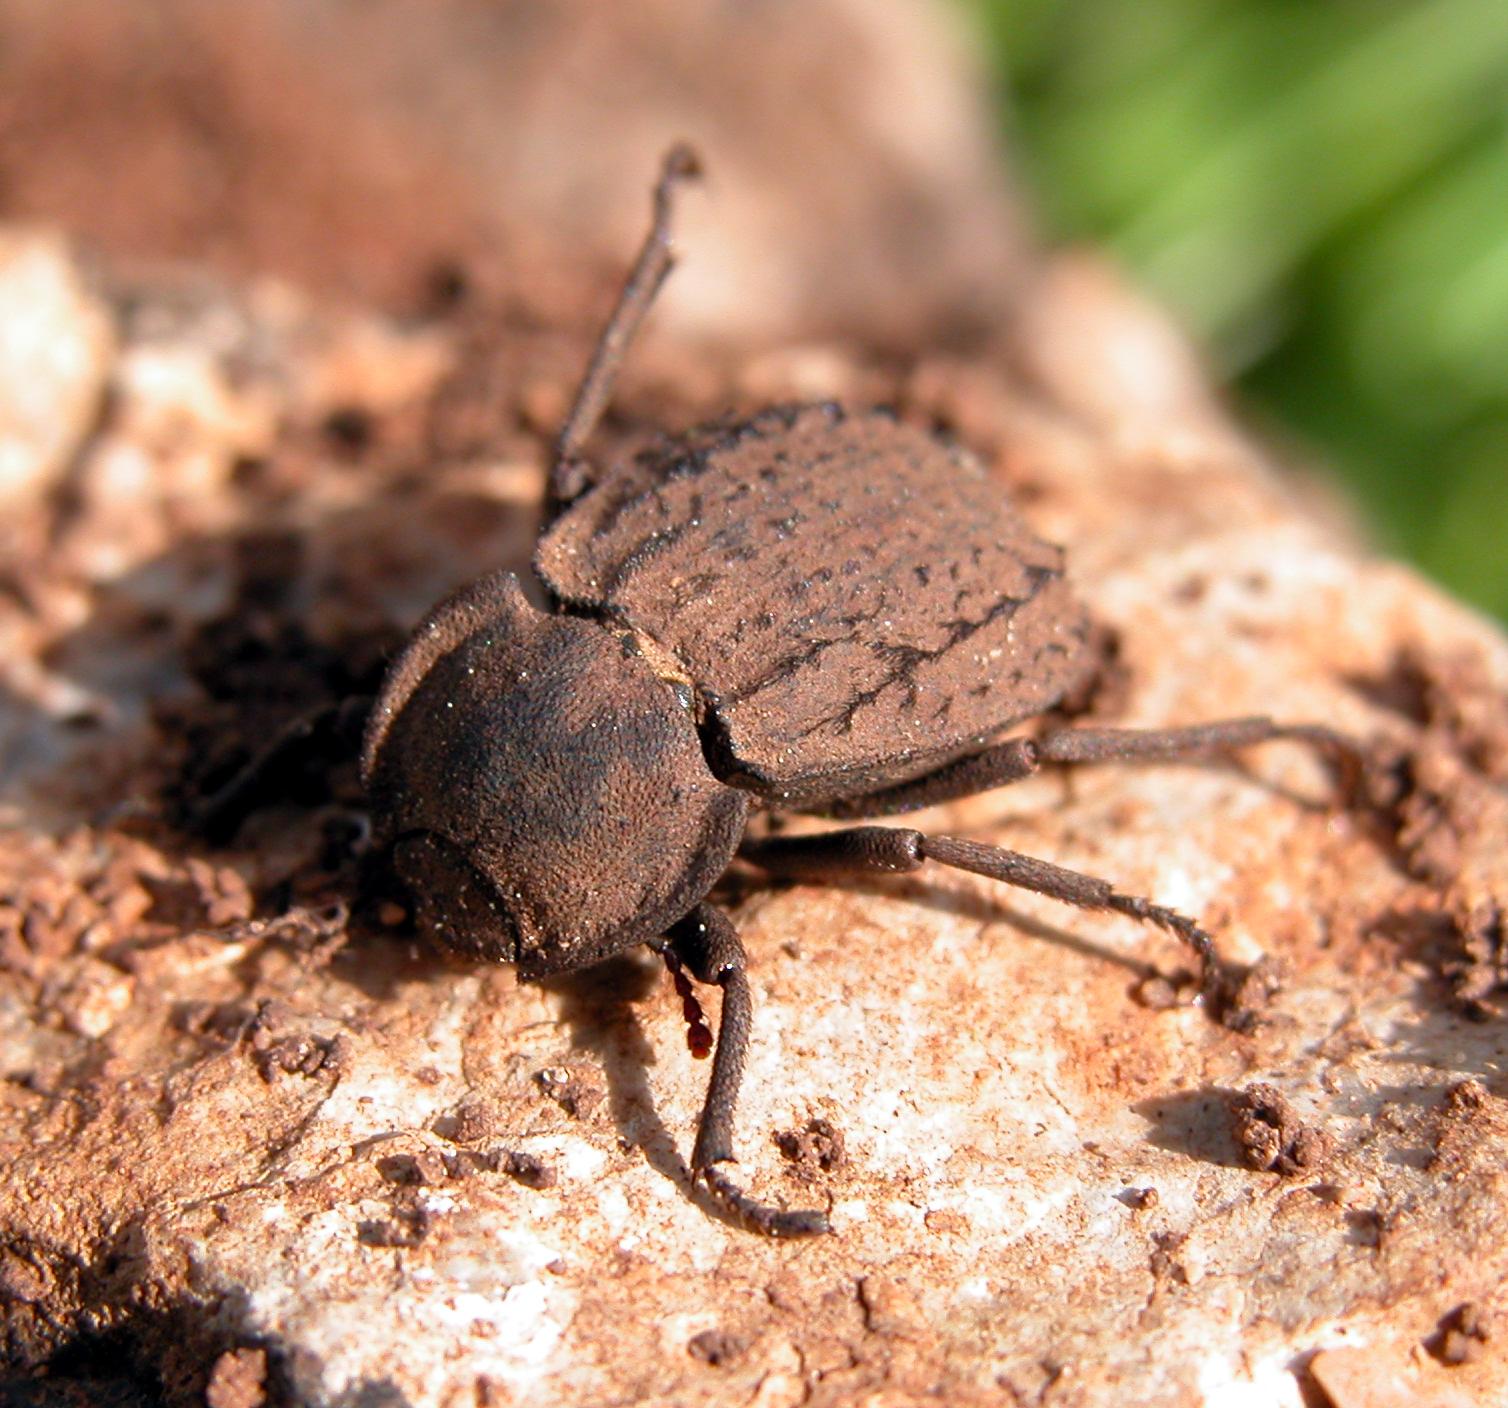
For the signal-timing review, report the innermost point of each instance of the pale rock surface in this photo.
(222, 1136)
(54, 346)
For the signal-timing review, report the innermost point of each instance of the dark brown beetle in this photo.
(815, 609)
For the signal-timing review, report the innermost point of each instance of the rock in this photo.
(54, 347)
(419, 152)
(273, 1150)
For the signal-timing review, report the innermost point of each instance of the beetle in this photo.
(816, 609)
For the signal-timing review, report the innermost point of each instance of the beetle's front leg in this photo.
(708, 944)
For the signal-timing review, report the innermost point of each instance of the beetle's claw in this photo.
(756, 1216)
(1217, 991)
(681, 161)
(1240, 999)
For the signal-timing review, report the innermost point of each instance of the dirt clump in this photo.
(1272, 1137)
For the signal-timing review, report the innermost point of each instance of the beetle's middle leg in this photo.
(708, 944)
(887, 850)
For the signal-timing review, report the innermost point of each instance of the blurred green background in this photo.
(1320, 188)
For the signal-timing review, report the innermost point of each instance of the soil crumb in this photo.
(1273, 1138)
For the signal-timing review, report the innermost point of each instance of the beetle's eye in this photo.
(460, 907)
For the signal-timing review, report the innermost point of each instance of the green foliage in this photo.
(1320, 187)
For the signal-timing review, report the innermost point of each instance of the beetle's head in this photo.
(541, 790)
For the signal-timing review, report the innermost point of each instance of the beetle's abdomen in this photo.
(561, 774)
(855, 602)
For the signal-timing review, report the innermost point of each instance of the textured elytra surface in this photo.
(854, 603)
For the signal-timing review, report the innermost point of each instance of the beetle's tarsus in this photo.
(1212, 976)
(709, 946)
(759, 1217)
(1350, 758)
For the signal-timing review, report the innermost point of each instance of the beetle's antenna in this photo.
(655, 261)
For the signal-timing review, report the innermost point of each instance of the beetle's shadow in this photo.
(1195, 1124)
(276, 616)
(597, 1006)
(967, 903)
(985, 909)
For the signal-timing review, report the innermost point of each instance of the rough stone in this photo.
(427, 152)
(243, 1129)
(54, 346)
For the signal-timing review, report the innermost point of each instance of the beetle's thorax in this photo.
(540, 784)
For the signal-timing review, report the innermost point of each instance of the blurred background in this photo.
(1320, 189)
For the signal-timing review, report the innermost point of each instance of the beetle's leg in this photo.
(863, 850)
(979, 772)
(1103, 745)
(708, 944)
(1020, 757)
(570, 475)
(335, 729)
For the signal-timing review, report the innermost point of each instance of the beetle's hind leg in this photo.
(1347, 755)
(886, 850)
(708, 944)
(1018, 758)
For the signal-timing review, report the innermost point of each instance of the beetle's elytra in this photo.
(817, 608)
